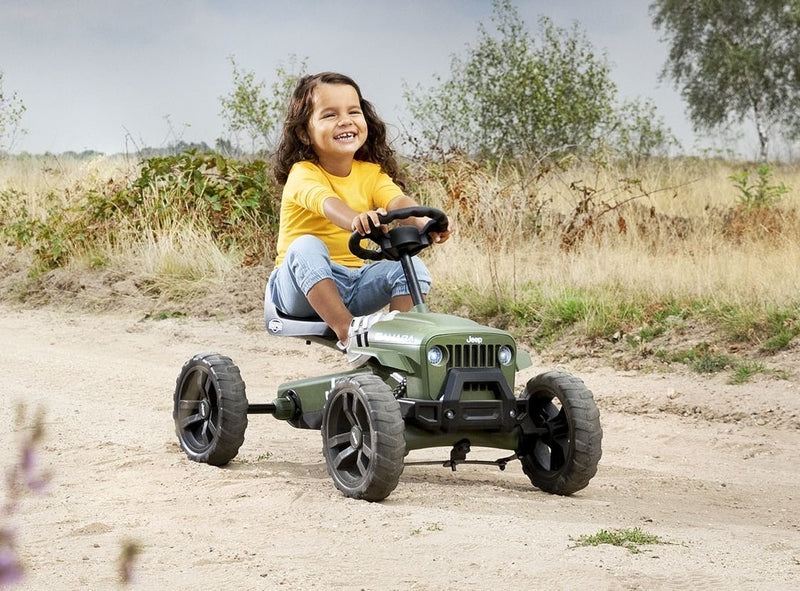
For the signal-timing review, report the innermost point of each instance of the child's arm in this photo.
(344, 216)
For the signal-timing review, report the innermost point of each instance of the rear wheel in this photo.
(565, 459)
(362, 438)
(210, 409)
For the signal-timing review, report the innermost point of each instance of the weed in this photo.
(164, 315)
(436, 526)
(234, 199)
(631, 539)
(646, 334)
(746, 370)
(708, 362)
(771, 327)
(702, 358)
(760, 194)
(783, 326)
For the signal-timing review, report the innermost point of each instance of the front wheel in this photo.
(565, 458)
(210, 409)
(362, 438)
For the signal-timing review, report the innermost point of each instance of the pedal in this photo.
(459, 453)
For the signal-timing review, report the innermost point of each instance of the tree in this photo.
(640, 133)
(11, 111)
(734, 60)
(246, 109)
(512, 96)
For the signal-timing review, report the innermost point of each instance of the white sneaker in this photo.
(357, 334)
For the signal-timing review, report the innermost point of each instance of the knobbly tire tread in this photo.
(387, 439)
(230, 402)
(586, 434)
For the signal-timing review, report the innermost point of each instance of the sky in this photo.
(115, 76)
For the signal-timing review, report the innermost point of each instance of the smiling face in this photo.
(337, 127)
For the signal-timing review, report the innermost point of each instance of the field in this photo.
(593, 253)
(674, 302)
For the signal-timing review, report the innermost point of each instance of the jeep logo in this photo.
(474, 340)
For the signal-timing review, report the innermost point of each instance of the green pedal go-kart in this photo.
(424, 380)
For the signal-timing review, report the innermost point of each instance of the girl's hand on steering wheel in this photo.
(364, 222)
(439, 237)
(436, 237)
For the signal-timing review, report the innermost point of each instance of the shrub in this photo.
(232, 201)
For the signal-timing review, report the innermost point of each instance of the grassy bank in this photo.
(689, 261)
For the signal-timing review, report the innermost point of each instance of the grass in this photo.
(431, 527)
(665, 256)
(702, 358)
(620, 256)
(746, 369)
(631, 539)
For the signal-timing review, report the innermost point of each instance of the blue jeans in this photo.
(364, 290)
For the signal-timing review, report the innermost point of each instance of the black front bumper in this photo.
(448, 413)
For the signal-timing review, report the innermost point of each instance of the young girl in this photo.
(337, 170)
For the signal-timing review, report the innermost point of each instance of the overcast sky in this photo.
(114, 76)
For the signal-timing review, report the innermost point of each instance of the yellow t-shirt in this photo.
(307, 188)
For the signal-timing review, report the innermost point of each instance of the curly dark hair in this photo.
(292, 149)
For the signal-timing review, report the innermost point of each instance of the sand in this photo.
(712, 469)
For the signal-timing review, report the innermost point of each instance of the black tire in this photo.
(210, 409)
(362, 438)
(565, 460)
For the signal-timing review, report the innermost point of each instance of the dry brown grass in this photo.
(669, 230)
(61, 175)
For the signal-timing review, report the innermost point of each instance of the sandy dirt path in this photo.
(712, 469)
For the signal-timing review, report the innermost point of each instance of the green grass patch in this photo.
(631, 539)
(546, 313)
(769, 327)
(783, 326)
(164, 315)
(431, 527)
(745, 370)
(701, 358)
(704, 360)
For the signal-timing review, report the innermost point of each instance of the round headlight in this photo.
(435, 355)
(505, 355)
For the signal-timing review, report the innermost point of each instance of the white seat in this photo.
(280, 324)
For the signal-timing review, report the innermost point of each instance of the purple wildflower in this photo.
(20, 478)
(10, 568)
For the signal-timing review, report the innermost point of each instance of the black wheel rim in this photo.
(349, 438)
(198, 410)
(551, 451)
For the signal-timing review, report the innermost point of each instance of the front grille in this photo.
(471, 356)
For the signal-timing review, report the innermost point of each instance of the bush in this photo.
(233, 201)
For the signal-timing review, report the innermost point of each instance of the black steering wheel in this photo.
(401, 239)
